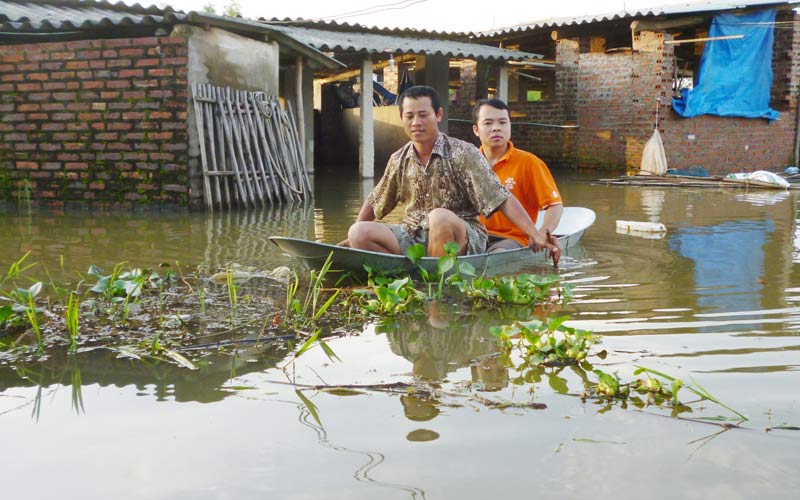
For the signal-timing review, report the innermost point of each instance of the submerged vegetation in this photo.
(164, 315)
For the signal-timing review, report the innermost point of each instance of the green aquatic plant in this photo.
(448, 268)
(22, 310)
(658, 386)
(303, 314)
(546, 342)
(124, 287)
(389, 296)
(71, 316)
(232, 288)
(522, 289)
(17, 269)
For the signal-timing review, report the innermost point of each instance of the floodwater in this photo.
(716, 300)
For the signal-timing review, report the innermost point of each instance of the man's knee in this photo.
(442, 217)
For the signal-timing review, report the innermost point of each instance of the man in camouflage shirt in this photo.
(445, 184)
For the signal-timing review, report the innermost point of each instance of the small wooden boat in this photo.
(574, 221)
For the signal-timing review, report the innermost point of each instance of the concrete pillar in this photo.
(435, 72)
(299, 106)
(502, 82)
(366, 138)
(308, 116)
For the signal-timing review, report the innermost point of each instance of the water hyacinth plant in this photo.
(549, 342)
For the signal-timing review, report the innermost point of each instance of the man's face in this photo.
(420, 120)
(494, 127)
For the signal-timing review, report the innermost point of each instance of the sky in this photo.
(437, 15)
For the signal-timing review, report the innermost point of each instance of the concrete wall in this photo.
(224, 59)
(101, 122)
(228, 60)
(389, 134)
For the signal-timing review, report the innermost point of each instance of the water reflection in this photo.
(715, 300)
(148, 239)
(162, 381)
(446, 342)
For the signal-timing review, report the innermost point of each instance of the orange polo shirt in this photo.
(529, 179)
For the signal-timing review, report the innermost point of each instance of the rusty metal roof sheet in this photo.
(409, 43)
(664, 10)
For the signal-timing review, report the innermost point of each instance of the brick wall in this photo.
(723, 145)
(97, 121)
(617, 101)
(556, 146)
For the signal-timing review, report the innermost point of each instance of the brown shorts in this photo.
(476, 240)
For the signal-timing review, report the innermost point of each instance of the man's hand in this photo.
(547, 242)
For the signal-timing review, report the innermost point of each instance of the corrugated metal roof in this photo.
(71, 17)
(374, 43)
(58, 16)
(664, 10)
(67, 16)
(345, 26)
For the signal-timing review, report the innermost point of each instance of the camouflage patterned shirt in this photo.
(457, 178)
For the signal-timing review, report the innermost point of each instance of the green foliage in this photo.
(549, 343)
(448, 263)
(302, 315)
(71, 315)
(391, 296)
(522, 289)
(123, 287)
(658, 387)
(22, 310)
(233, 9)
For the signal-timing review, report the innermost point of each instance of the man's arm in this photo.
(366, 213)
(552, 216)
(537, 240)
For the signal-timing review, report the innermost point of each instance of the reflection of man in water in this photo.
(441, 346)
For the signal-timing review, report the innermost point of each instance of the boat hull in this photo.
(313, 255)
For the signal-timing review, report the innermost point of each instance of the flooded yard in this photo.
(425, 406)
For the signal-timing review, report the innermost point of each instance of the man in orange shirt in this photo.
(523, 173)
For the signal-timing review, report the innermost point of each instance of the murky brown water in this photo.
(716, 300)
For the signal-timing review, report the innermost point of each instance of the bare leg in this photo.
(373, 236)
(443, 227)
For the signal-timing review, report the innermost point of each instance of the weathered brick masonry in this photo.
(99, 121)
(612, 98)
(617, 103)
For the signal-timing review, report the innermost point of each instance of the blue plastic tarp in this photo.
(735, 75)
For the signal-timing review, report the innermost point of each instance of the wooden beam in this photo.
(644, 25)
(347, 75)
(706, 39)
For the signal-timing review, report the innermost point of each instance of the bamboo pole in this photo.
(262, 124)
(229, 136)
(252, 128)
(244, 139)
(228, 183)
(198, 117)
(212, 127)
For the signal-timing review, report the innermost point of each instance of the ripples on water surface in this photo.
(716, 299)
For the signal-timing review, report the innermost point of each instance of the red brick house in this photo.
(595, 108)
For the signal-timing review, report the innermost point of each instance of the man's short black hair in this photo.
(418, 91)
(495, 103)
